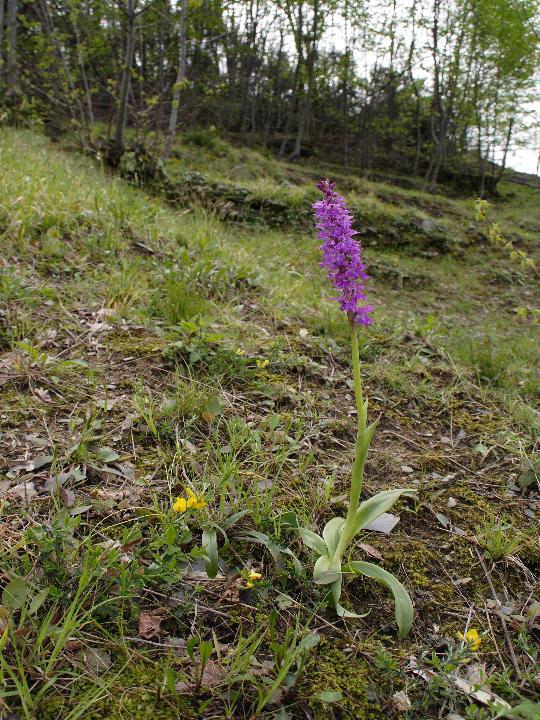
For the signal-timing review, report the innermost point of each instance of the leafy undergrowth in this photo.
(146, 350)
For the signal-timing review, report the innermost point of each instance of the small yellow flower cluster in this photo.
(472, 638)
(263, 363)
(193, 502)
(252, 578)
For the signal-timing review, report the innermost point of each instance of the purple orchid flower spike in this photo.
(342, 254)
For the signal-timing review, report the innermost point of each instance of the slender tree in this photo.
(11, 55)
(129, 10)
(180, 78)
(2, 13)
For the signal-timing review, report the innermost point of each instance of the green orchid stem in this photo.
(356, 375)
(362, 444)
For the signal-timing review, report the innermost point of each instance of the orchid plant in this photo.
(342, 257)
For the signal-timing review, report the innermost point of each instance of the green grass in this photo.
(146, 349)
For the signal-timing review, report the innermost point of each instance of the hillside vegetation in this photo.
(150, 344)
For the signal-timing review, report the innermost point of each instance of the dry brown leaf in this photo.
(177, 643)
(96, 660)
(30, 465)
(4, 487)
(73, 644)
(401, 701)
(150, 622)
(68, 496)
(5, 378)
(42, 394)
(117, 495)
(231, 594)
(182, 687)
(23, 491)
(371, 551)
(213, 673)
(98, 327)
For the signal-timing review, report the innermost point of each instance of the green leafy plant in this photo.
(499, 538)
(497, 238)
(291, 653)
(199, 652)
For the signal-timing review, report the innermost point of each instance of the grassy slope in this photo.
(133, 359)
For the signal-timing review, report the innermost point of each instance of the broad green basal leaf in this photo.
(332, 533)
(313, 541)
(404, 607)
(336, 596)
(370, 509)
(209, 545)
(326, 570)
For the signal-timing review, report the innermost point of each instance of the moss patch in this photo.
(139, 691)
(330, 670)
(135, 344)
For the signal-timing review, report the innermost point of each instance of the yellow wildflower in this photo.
(252, 577)
(472, 638)
(240, 351)
(263, 363)
(180, 505)
(195, 502)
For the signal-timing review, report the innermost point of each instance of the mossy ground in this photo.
(147, 348)
(333, 670)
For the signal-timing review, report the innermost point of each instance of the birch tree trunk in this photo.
(2, 5)
(11, 36)
(180, 77)
(502, 168)
(82, 67)
(121, 120)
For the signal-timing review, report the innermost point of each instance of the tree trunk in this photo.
(298, 82)
(302, 121)
(121, 120)
(441, 147)
(345, 110)
(84, 76)
(416, 91)
(418, 129)
(180, 77)
(2, 4)
(247, 65)
(158, 122)
(11, 36)
(277, 92)
(436, 101)
(303, 115)
(505, 152)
